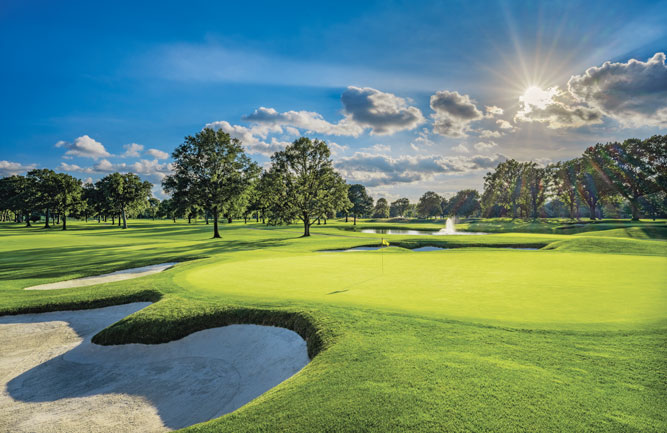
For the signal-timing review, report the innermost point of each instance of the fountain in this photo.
(450, 228)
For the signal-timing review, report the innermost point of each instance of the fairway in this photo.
(475, 337)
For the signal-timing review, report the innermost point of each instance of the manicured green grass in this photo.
(572, 337)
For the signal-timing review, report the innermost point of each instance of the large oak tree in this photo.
(213, 170)
(304, 177)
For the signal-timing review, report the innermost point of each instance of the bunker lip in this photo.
(125, 274)
(131, 387)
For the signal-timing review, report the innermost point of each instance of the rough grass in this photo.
(569, 338)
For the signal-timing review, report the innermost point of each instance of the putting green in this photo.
(518, 287)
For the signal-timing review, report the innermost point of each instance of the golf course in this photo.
(534, 326)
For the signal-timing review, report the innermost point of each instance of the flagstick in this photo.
(382, 255)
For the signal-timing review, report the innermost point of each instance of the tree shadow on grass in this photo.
(55, 262)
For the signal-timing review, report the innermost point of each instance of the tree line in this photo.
(633, 172)
(59, 195)
(213, 178)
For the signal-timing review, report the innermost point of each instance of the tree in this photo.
(399, 207)
(654, 205)
(69, 195)
(464, 203)
(630, 167)
(24, 199)
(215, 170)
(305, 179)
(46, 189)
(564, 183)
(381, 209)
(536, 182)
(125, 192)
(429, 205)
(504, 186)
(361, 202)
(152, 209)
(92, 201)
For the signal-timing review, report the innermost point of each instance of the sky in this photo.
(410, 96)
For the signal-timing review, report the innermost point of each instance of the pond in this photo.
(442, 232)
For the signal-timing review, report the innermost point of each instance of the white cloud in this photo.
(486, 133)
(8, 168)
(337, 149)
(453, 113)
(376, 169)
(384, 113)
(157, 154)
(85, 147)
(555, 109)
(492, 110)
(483, 146)
(461, 148)
(132, 150)
(249, 137)
(377, 148)
(306, 120)
(504, 124)
(634, 93)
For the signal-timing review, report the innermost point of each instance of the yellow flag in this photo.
(385, 243)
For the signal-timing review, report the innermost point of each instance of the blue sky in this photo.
(412, 96)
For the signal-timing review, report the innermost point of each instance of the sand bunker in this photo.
(53, 379)
(125, 274)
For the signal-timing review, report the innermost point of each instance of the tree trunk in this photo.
(229, 220)
(113, 220)
(635, 209)
(325, 221)
(257, 217)
(64, 221)
(245, 219)
(124, 219)
(174, 218)
(27, 220)
(47, 226)
(591, 209)
(345, 217)
(216, 233)
(306, 225)
(355, 219)
(58, 218)
(189, 218)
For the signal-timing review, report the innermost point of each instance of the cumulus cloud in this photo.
(373, 169)
(132, 150)
(504, 124)
(634, 93)
(453, 113)
(157, 154)
(492, 110)
(153, 170)
(337, 149)
(555, 109)
(483, 146)
(9, 168)
(461, 148)
(384, 113)
(85, 147)
(486, 133)
(250, 137)
(306, 120)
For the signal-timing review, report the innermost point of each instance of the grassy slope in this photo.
(572, 339)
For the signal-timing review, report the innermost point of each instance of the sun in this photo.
(537, 97)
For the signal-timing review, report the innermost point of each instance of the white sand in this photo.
(125, 274)
(53, 379)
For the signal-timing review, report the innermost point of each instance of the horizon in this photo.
(409, 98)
